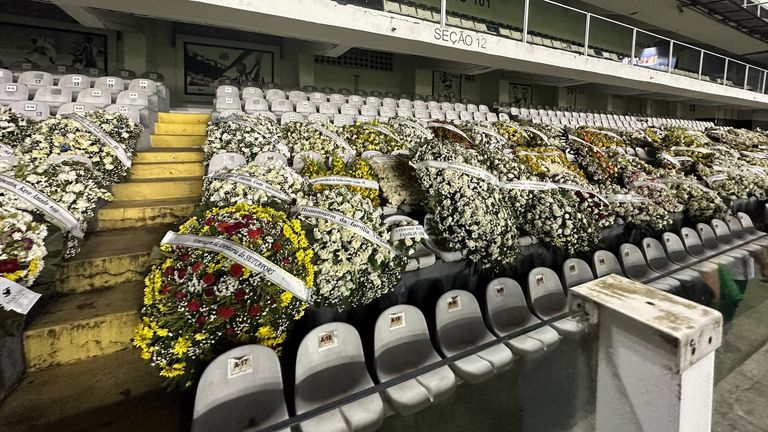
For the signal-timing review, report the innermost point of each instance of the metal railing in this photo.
(647, 49)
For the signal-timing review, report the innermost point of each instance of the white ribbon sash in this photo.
(528, 185)
(100, 134)
(418, 127)
(335, 138)
(626, 198)
(353, 225)
(5, 150)
(449, 127)
(383, 130)
(582, 190)
(405, 232)
(466, 169)
(492, 134)
(16, 297)
(244, 256)
(345, 181)
(55, 213)
(255, 183)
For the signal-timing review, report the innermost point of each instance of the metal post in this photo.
(634, 42)
(746, 77)
(443, 12)
(701, 62)
(656, 356)
(525, 20)
(669, 60)
(765, 76)
(586, 34)
(725, 73)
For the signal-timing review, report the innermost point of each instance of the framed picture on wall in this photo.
(44, 47)
(206, 66)
(446, 85)
(520, 94)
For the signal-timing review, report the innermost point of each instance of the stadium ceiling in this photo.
(748, 16)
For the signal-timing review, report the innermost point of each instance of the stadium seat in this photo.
(507, 312)
(255, 104)
(279, 106)
(111, 84)
(133, 112)
(343, 120)
(227, 91)
(605, 263)
(268, 114)
(327, 90)
(451, 115)
(420, 105)
(54, 97)
(309, 88)
(306, 107)
(34, 110)
(10, 93)
(349, 109)
(318, 98)
(140, 100)
(97, 97)
(389, 102)
(421, 114)
(710, 241)
(369, 111)
(387, 112)
(75, 83)
(636, 268)
(491, 117)
(465, 115)
(252, 93)
(59, 69)
(291, 117)
(547, 300)
(404, 103)
(297, 96)
(373, 101)
(693, 245)
(125, 74)
(576, 272)
(24, 66)
(233, 385)
(154, 76)
(504, 117)
(329, 365)
(740, 234)
(459, 107)
(478, 116)
(728, 239)
(274, 94)
(472, 108)
(76, 107)
(328, 108)
(404, 112)
(460, 327)
(356, 100)
(318, 118)
(35, 80)
(659, 262)
(401, 345)
(337, 99)
(141, 84)
(436, 115)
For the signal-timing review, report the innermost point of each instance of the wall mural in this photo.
(446, 86)
(44, 47)
(207, 66)
(520, 95)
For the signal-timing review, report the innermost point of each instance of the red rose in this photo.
(197, 266)
(236, 270)
(286, 261)
(247, 218)
(200, 320)
(225, 312)
(254, 310)
(180, 295)
(277, 246)
(209, 292)
(209, 279)
(164, 290)
(229, 332)
(209, 221)
(240, 294)
(168, 271)
(180, 273)
(193, 306)
(184, 257)
(255, 233)
(222, 226)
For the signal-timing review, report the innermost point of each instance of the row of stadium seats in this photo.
(616, 121)
(41, 111)
(331, 365)
(63, 69)
(346, 119)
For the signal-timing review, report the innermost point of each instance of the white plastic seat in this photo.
(548, 300)
(401, 344)
(142, 84)
(369, 111)
(137, 98)
(465, 115)
(740, 233)
(404, 103)
(404, 112)
(222, 161)
(460, 327)
(483, 108)
(446, 106)
(356, 100)
(268, 114)
(251, 93)
(436, 115)
(297, 96)
(389, 102)
(111, 84)
(330, 365)
(255, 104)
(32, 109)
(576, 272)
(274, 94)
(154, 76)
(343, 120)
(318, 98)
(451, 115)
(507, 312)
(636, 268)
(75, 83)
(491, 117)
(233, 385)
(659, 262)
(420, 105)
(724, 235)
(433, 105)
(35, 80)
(125, 74)
(279, 106)
(459, 107)
(318, 118)
(97, 97)
(10, 93)
(387, 112)
(694, 247)
(478, 116)
(744, 261)
(291, 117)
(337, 99)
(364, 119)
(59, 69)
(421, 114)
(349, 109)
(131, 111)
(54, 97)
(306, 107)
(373, 101)
(328, 108)
(76, 107)
(24, 66)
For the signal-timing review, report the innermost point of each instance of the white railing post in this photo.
(669, 59)
(634, 42)
(765, 76)
(701, 62)
(526, 9)
(586, 34)
(656, 356)
(746, 76)
(443, 12)
(725, 72)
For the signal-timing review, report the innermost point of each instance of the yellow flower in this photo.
(181, 347)
(285, 298)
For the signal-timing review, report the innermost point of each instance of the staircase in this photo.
(81, 374)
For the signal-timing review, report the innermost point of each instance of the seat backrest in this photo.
(32, 109)
(708, 238)
(53, 95)
(281, 105)
(692, 242)
(318, 118)
(491, 117)
(268, 114)
(605, 263)
(451, 115)
(343, 120)
(389, 102)
(349, 109)
(154, 76)
(76, 107)
(404, 112)
(546, 293)
(478, 116)
(633, 262)
(356, 100)
(655, 256)
(59, 69)
(373, 101)
(125, 74)
(421, 114)
(318, 98)
(337, 99)
(306, 107)
(404, 103)
(246, 376)
(368, 110)
(133, 112)
(111, 83)
(483, 108)
(95, 96)
(36, 79)
(291, 117)
(433, 105)
(420, 105)
(274, 94)
(675, 249)
(746, 223)
(504, 117)
(465, 115)
(222, 161)
(576, 272)
(14, 92)
(436, 115)
(297, 96)
(737, 231)
(328, 90)
(722, 232)
(387, 111)
(505, 306)
(227, 91)
(459, 322)
(401, 342)
(459, 107)
(446, 106)
(24, 66)
(328, 108)
(251, 93)
(143, 84)
(74, 81)
(135, 97)
(256, 104)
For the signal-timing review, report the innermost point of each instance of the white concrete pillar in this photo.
(656, 357)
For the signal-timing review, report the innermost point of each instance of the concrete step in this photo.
(175, 154)
(83, 325)
(95, 394)
(141, 213)
(158, 170)
(110, 258)
(171, 141)
(180, 129)
(150, 189)
(185, 118)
